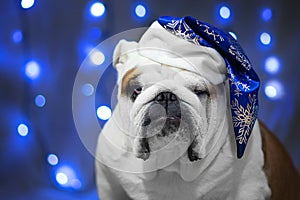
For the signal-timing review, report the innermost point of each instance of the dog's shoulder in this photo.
(283, 177)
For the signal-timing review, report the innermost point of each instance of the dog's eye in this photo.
(135, 93)
(199, 92)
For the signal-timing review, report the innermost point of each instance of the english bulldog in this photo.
(181, 125)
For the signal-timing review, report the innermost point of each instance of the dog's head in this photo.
(170, 102)
(173, 89)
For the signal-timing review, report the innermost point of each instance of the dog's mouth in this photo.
(164, 123)
(162, 132)
(171, 124)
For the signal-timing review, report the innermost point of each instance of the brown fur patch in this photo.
(283, 177)
(127, 77)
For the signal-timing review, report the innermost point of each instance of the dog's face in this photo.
(160, 105)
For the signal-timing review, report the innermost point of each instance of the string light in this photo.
(32, 70)
(17, 36)
(274, 90)
(87, 89)
(62, 178)
(97, 9)
(266, 14)
(52, 159)
(66, 177)
(97, 57)
(265, 38)
(23, 130)
(140, 10)
(225, 12)
(26, 4)
(40, 100)
(104, 112)
(272, 65)
(95, 33)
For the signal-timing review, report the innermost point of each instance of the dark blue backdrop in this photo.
(42, 47)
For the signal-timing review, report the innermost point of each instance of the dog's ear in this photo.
(121, 53)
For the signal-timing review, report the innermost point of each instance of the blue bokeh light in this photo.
(95, 33)
(23, 130)
(266, 14)
(265, 38)
(104, 112)
(26, 4)
(66, 177)
(52, 159)
(87, 89)
(97, 9)
(272, 65)
(140, 10)
(274, 90)
(17, 36)
(40, 100)
(32, 70)
(225, 12)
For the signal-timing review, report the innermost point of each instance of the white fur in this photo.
(219, 175)
(225, 177)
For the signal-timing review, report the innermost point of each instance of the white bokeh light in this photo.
(62, 178)
(225, 12)
(32, 70)
(52, 159)
(97, 57)
(104, 112)
(140, 10)
(274, 90)
(66, 177)
(265, 38)
(270, 91)
(23, 130)
(97, 9)
(272, 65)
(27, 3)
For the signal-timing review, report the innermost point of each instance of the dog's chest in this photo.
(166, 185)
(223, 180)
(170, 186)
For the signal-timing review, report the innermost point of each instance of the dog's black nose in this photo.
(170, 102)
(164, 97)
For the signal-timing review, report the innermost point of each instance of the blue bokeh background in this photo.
(43, 46)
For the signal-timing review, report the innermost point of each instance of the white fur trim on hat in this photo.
(159, 46)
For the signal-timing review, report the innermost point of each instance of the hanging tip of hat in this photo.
(240, 150)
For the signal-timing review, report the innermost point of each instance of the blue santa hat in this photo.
(244, 82)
